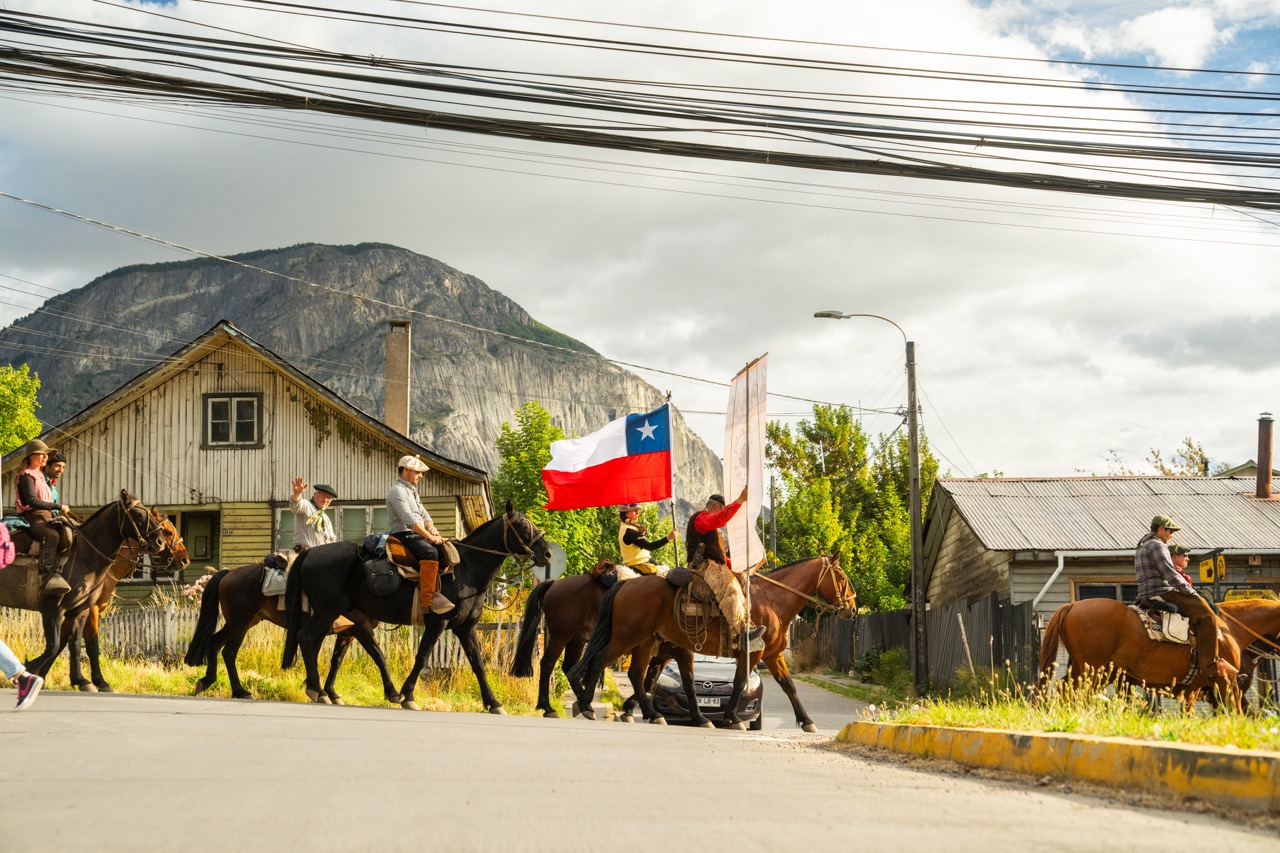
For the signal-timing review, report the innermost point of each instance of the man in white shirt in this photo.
(311, 525)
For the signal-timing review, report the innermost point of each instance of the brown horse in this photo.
(173, 555)
(1106, 639)
(80, 625)
(633, 612)
(1254, 623)
(237, 593)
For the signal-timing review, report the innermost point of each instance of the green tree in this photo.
(18, 421)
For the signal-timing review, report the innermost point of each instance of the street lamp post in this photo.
(919, 634)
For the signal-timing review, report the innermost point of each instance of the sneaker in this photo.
(28, 688)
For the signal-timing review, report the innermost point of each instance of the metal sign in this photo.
(559, 562)
(1239, 594)
(1206, 571)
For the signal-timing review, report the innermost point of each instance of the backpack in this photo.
(6, 546)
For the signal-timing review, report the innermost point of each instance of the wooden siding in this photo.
(964, 570)
(149, 443)
(246, 533)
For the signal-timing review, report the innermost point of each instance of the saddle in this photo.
(25, 545)
(275, 572)
(1165, 626)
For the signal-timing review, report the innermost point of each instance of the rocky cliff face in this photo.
(466, 380)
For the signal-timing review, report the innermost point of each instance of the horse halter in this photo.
(526, 548)
(828, 568)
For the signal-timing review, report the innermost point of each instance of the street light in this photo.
(919, 634)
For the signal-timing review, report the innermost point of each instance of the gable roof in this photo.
(1105, 513)
(219, 335)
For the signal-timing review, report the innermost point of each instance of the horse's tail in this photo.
(601, 637)
(198, 651)
(522, 666)
(292, 611)
(1049, 644)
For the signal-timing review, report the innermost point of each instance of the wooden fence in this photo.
(163, 633)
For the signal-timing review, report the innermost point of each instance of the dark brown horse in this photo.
(94, 551)
(633, 612)
(172, 555)
(1254, 623)
(237, 593)
(1105, 639)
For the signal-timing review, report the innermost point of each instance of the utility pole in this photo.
(919, 632)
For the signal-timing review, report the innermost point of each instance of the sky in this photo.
(1050, 329)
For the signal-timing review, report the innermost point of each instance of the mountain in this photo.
(330, 320)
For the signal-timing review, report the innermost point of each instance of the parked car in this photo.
(712, 684)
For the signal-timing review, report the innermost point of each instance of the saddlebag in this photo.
(381, 577)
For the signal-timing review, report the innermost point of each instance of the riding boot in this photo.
(51, 571)
(429, 587)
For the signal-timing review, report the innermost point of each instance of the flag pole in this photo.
(675, 543)
(746, 629)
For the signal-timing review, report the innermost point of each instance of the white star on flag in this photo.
(646, 431)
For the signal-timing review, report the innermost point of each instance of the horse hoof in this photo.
(739, 726)
(626, 718)
(88, 688)
(242, 694)
(394, 698)
(410, 705)
(706, 724)
(808, 727)
(318, 698)
(658, 721)
(550, 714)
(337, 700)
(104, 688)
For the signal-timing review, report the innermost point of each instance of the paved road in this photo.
(95, 772)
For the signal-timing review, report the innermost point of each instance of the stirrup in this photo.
(756, 632)
(1223, 668)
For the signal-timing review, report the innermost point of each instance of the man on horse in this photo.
(311, 526)
(35, 503)
(54, 468)
(636, 551)
(1159, 580)
(705, 542)
(411, 524)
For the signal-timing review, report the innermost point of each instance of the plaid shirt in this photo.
(1154, 567)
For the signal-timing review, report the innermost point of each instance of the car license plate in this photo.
(708, 702)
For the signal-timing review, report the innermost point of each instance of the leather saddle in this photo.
(1164, 623)
(25, 545)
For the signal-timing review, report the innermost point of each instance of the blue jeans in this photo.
(9, 663)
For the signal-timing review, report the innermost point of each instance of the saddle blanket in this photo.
(1165, 627)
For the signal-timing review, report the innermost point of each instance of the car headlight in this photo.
(668, 681)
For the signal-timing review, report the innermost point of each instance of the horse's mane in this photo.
(790, 565)
(100, 510)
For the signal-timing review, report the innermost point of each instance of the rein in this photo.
(819, 603)
(1250, 630)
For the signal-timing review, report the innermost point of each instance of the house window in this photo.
(351, 523)
(1122, 591)
(233, 421)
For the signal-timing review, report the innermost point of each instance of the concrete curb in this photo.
(1244, 779)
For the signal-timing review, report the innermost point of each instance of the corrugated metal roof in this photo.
(1112, 513)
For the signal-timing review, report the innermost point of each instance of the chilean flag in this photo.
(628, 461)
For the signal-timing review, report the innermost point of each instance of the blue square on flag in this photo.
(650, 433)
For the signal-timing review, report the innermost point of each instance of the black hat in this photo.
(55, 458)
(718, 498)
(321, 487)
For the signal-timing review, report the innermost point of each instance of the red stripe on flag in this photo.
(628, 479)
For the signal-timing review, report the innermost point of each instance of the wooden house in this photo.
(214, 434)
(1051, 541)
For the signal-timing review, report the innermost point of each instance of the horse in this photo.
(633, 612)
(1254, 624)
(173, 554)
(237, 593)
(1106, 638)
(332, 576)
(96, 545)
(82, 628)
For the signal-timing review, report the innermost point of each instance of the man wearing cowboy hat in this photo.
(1159, 580)
(636, 550)
(311, 526)
(411, 524)
(35, 503)
(703, 540)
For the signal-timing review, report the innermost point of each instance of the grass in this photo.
(358, 680)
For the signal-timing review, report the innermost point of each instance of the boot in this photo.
(1224, 669)
(52, 573)
(429, 587)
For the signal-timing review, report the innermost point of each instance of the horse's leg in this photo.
(475, 656)
(547, 670)
(739, 681)
(51, 621)
(431, 631)
(310, 637)
(88, 632)
(684, 660)
(363, 633)
(211, 671)
(73, 633)
(341, 642)
(640, 656)
(656, 663)
(231, 643)
(778, 668)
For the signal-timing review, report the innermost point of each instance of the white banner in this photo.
(744, 462)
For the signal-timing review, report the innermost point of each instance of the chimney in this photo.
(1264, 456)
(395, 406)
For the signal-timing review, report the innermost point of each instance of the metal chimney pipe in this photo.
(395, 406)
(1264, 456)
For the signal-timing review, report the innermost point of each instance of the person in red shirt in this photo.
(1180, 555)
(709, 558)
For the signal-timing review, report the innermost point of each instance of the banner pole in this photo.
(671, 432)
(746, 629)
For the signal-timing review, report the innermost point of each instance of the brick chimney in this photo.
(395, 406)
(1264, 456)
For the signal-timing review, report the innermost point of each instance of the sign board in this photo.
(1240, 594)
(1206, 571)
(558, 563)
(1222, 568)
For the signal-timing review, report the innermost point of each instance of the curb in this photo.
(1244, 779)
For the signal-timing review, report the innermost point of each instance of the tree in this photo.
(18, 421)
(841, 493)
(587, 535)
(1189, 459)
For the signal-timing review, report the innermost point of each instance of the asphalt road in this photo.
(100, 772)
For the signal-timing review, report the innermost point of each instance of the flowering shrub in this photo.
(195, 590)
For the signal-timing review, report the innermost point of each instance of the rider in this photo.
(54, 468)
(704, 533)
(1159, 580)
(35, 503)
(635, 549)
(411, 524)
(311, 526)
(1180, 554)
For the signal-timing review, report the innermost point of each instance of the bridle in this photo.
(821, 604)
(508, 526)
(152, 540)
(1250, 630)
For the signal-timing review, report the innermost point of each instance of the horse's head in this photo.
(138, 523)
(522, 538)
(835, 587)
(174, 550)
